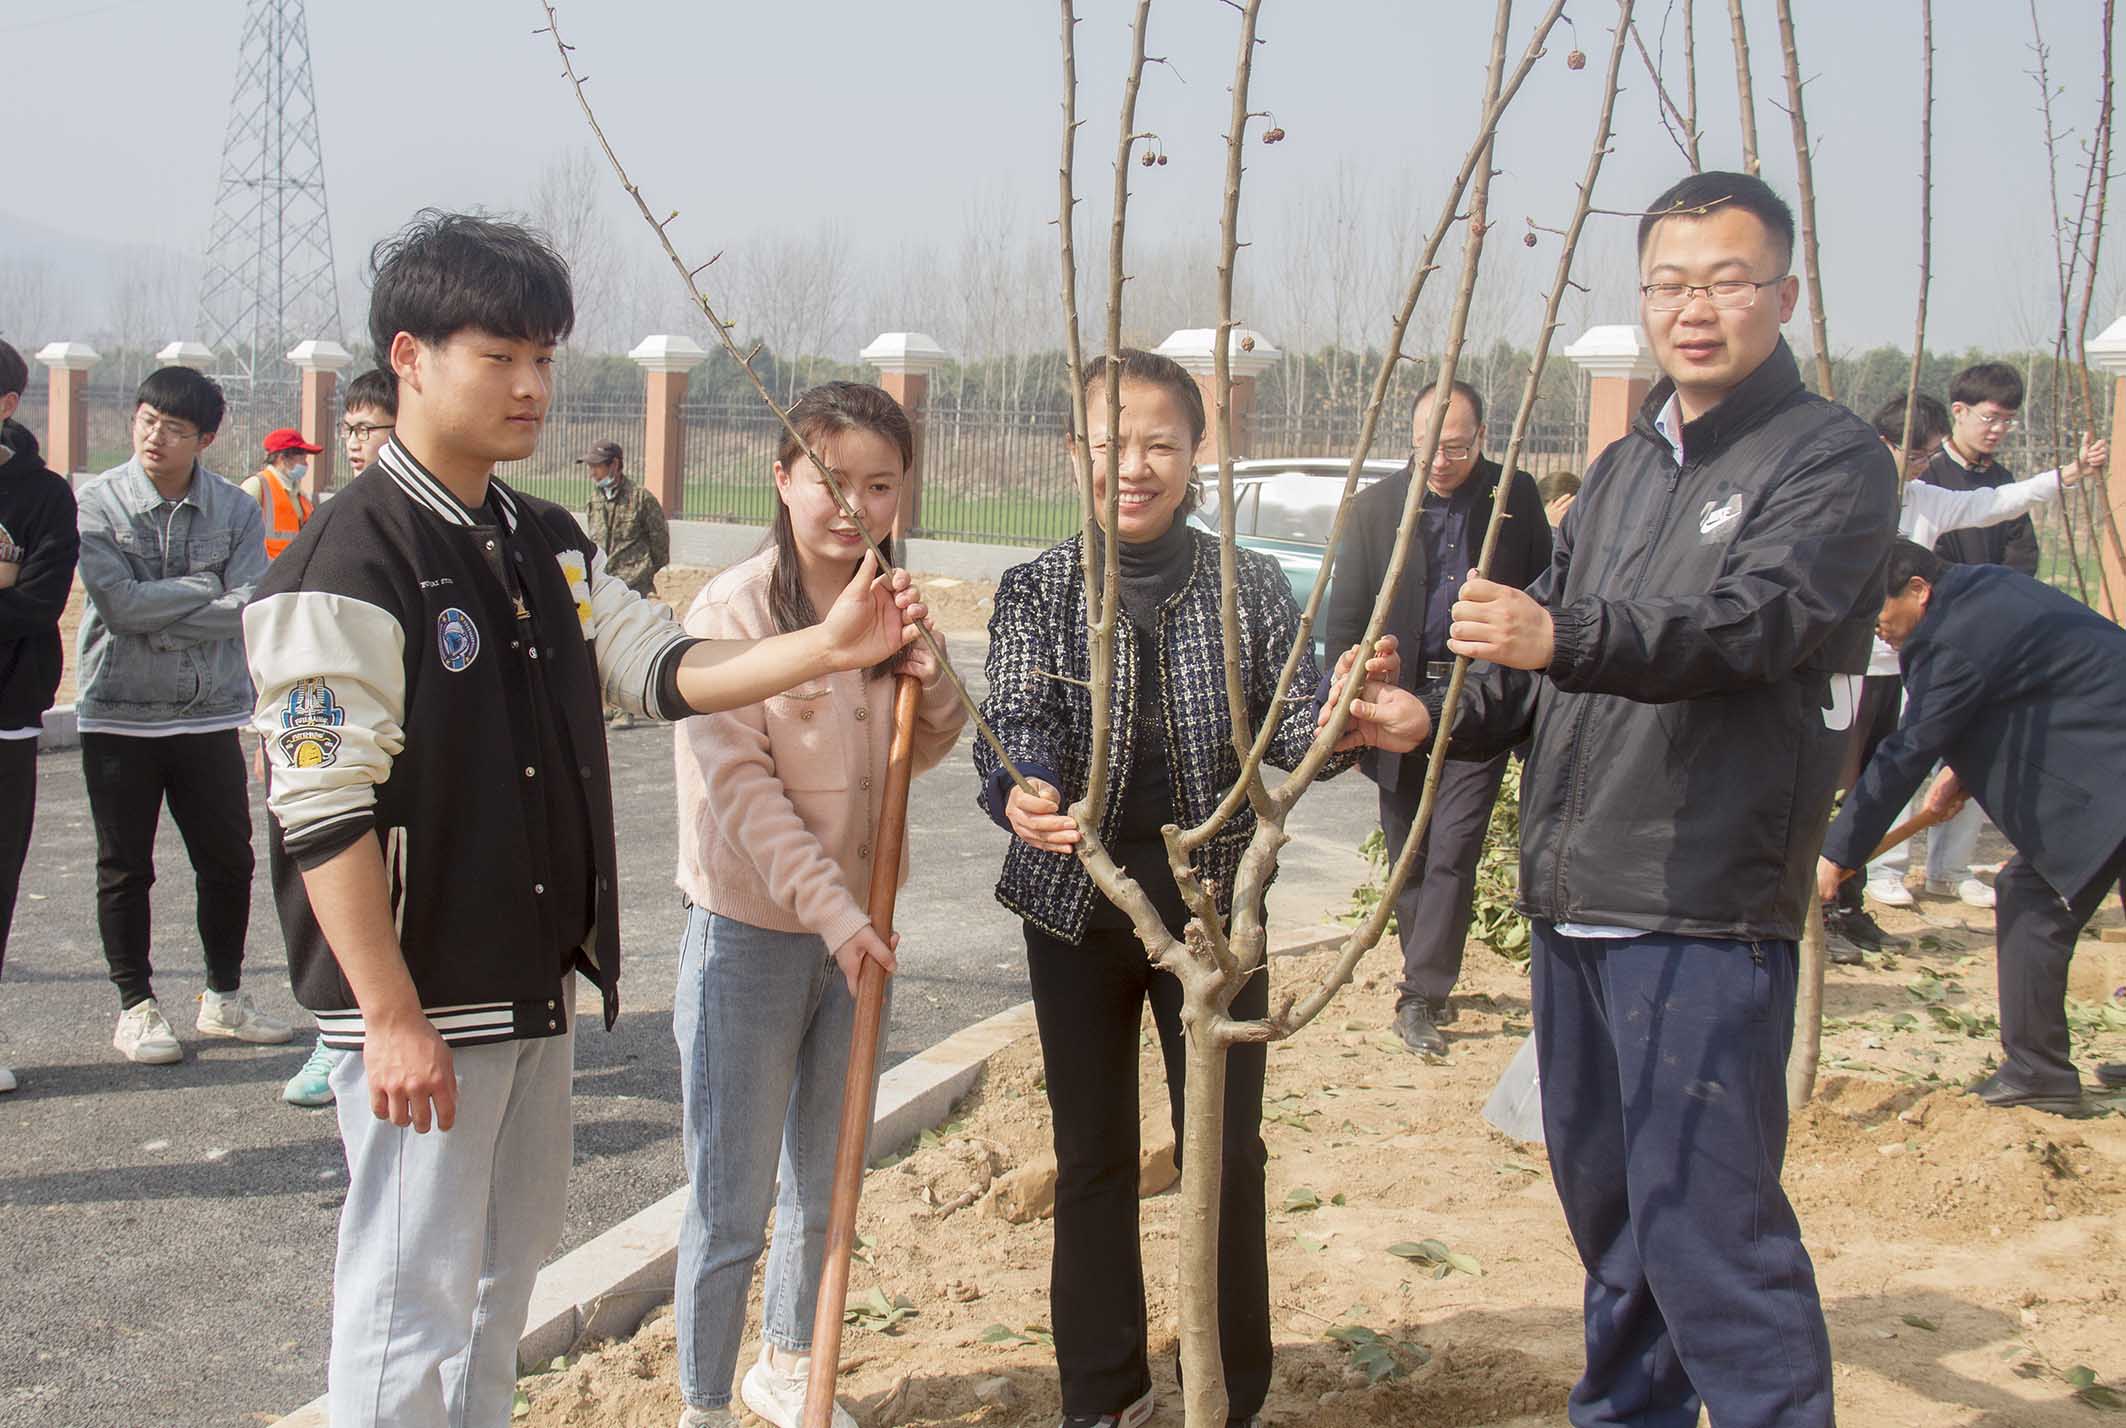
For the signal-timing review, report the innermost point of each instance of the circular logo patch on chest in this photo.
(457, 639)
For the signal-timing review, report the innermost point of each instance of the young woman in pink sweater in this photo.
(777, 808)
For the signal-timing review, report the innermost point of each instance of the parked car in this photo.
(1284, 508)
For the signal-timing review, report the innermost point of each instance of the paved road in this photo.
(168, 1231)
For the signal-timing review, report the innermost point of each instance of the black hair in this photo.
(1460, 389)
(446, 273)
(1699, 194)
(14, 372)
(375, 390)
(1907, 559)
(1930, 421)
(826, 411)
(185, 394)
(1159, 370)
(1995, 382)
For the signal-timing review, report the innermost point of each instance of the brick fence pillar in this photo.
(1196, 348)
(321, 364)
(67, 435)
(2107, 353)
(905, 361)
(1621, 365)
(665, 360)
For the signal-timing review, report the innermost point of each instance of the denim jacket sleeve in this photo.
(222, 618)
(127, 604)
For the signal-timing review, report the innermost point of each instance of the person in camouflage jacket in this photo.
(626, 521)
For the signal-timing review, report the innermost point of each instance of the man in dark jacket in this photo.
(1716, 576)
(38, 546)
(2021, 691)
(1433, 910)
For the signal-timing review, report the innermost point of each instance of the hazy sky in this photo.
(891, 119)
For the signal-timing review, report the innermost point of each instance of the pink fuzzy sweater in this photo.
(778, 802)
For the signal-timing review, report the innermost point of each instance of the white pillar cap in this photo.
(2107, 350)
(316, 356)
(1196, 348)
(186, 354)
(68, 356)
(1614, 350)
(668, 352)
(904, 353)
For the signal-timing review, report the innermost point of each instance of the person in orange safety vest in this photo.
(278, 487)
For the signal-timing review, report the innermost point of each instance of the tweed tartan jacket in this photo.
(1038, 630)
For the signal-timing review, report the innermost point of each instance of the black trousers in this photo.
(1433, 910)
(204, 780)
(1088, 1000)
(1664, 1115)
(2035, 929)
(18, 812)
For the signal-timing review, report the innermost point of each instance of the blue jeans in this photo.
(1664, 1107)
(763, 1021)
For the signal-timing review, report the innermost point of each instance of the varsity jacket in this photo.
(395, 678)
(1038, 631)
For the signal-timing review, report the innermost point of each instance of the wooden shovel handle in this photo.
(859, 1086)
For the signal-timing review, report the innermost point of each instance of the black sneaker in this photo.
(2112, 1075)
(1137, 1413)
(1417, 1023)
(1857, 927)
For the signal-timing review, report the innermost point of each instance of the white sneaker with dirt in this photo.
(1890, 892)
(235, 1015)
(7, 1080)
(708, 1418)
(1970, 892)
(780, 1397)
(144, 1035)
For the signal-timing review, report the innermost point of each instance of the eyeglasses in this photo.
(148, 423)
(363, 430)
(1992, 423)
(1445, 452)
(1728, 293)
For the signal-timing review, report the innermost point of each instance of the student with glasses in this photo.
(1432, 912)
(170, 555)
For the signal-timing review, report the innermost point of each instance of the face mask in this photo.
(605, 485)
(298, 471)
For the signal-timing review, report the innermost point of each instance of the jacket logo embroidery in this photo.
(457, 640)
(574, 571)
(1845, 703)
(307, 721)
(1716, 518)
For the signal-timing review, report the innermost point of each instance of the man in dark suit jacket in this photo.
(1433, 910)
(2021, 691)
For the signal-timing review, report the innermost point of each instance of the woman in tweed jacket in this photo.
(1172, 760)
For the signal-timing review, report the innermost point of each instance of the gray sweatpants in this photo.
(442, 1237)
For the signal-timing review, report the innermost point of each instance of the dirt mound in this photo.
(1941, 1163)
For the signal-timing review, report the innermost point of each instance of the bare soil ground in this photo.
(1969, 1258)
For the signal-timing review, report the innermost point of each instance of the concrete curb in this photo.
(607, 1286)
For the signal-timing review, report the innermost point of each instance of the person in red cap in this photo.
(278, 487)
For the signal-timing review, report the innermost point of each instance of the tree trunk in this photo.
(1202, 1169)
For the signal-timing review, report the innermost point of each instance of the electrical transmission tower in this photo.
(269, 280)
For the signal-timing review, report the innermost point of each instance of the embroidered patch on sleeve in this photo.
(308, 719)
(577, 573)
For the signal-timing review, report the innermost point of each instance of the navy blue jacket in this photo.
(2022, 691)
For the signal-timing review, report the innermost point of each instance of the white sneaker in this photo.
(7, 1080)
(1890, 892)
(234, 1015)
(780, 1397)
(708, 1418)
(1973, 893)
(144, 1036)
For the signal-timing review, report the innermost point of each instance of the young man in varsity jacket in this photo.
(431, 655)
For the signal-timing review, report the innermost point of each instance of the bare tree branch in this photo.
(1680, 133)
(722, 329)
(1926, 231)
(1804, 180)
(2100, 161)
(1690, 81)
(2066, 257)
(1743, 88)
(1297, 1012)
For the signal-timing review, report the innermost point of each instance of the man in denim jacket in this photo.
(170, 555)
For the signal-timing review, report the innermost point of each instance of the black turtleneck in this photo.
(1149, 575)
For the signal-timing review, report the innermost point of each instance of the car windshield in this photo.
(1296, 506)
